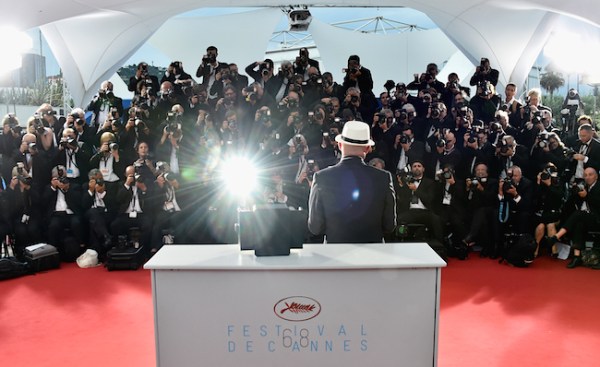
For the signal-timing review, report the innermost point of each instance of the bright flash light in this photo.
(13, 43)
(239, 175)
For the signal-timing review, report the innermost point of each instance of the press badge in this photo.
(70, 171)
(133, 215)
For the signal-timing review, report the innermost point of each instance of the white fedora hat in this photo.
(355, 133)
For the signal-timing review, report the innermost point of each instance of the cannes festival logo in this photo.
(297, 308)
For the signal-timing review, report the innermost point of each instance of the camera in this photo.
(65, 141)
(508, 184)
(172, 122)
(472, 137)
(577, 187)
(31, 147)
(403, 115)
(435, 110)
(405, 175)
(440, 143)
(63, 180)
(113, 146)
(353, 99)
(548, 173)
(486, 88)
(265, 116)
(100, 182)
(209, 59)
(445, 174)
(310, 169)
(569, 153)
(250, 94)
(543, 140)
(404, 139)
(476, 181)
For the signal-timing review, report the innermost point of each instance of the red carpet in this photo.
(491, 315)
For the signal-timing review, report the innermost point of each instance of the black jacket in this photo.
(352, 203)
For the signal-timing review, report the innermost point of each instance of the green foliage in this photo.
(42, 92)
(552, 81)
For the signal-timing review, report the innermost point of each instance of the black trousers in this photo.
(61, 220)
(123, 222)
(578, 224)
(425, 217)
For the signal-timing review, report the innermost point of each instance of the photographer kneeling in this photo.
(550, 196)
(585, 218)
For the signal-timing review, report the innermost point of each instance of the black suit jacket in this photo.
(352, 203)
(593, 154)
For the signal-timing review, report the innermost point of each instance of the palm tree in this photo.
(551, 81)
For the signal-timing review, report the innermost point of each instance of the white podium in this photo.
(324, 305)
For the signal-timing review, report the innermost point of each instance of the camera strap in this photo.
(503, 211)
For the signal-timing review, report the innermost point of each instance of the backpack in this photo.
(519, 250)
(10, 268)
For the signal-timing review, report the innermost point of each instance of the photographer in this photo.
(450, 204)
(416, 200)
(549, 148)
(255, 97)
(476, 149)
(454, 89)
(359, 78)
(586, 152)
(133, 211)
(99, 208)
(303, 62)
(572, 108)
(63, 210)
(108, 159)
(74, 155)
(168, 212)
(229, 102)
(238, 80)
(102, 103)
(585, 218)
(178, 78)
(312, 88)
(47, 116)
(316, 126)
(482, 204)
(23, 210)
(427, 80)
(444, 153)
(533, 106)
(511, 105)
(509, 154)
(9, 142)
(484, 73)
(515, 192)
(262, 72)
(168, 148)
(485, 103)
(37, 162)
(406, 149)
(134, 131)
(331, 89)
(548, 205)
(142, 75)
(208, 70)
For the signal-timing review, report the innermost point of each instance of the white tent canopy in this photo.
(92, 38)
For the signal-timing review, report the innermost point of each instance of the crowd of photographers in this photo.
(469, 169)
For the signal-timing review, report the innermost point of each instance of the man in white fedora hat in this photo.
(352, 202)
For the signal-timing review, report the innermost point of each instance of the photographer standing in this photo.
(24, 209)
(178, 78)
(483, 73)
(208, 69)
(74, 155)
(102, 103)
(359, 77)
(150, 82)
(304, 62)
(586, 152)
